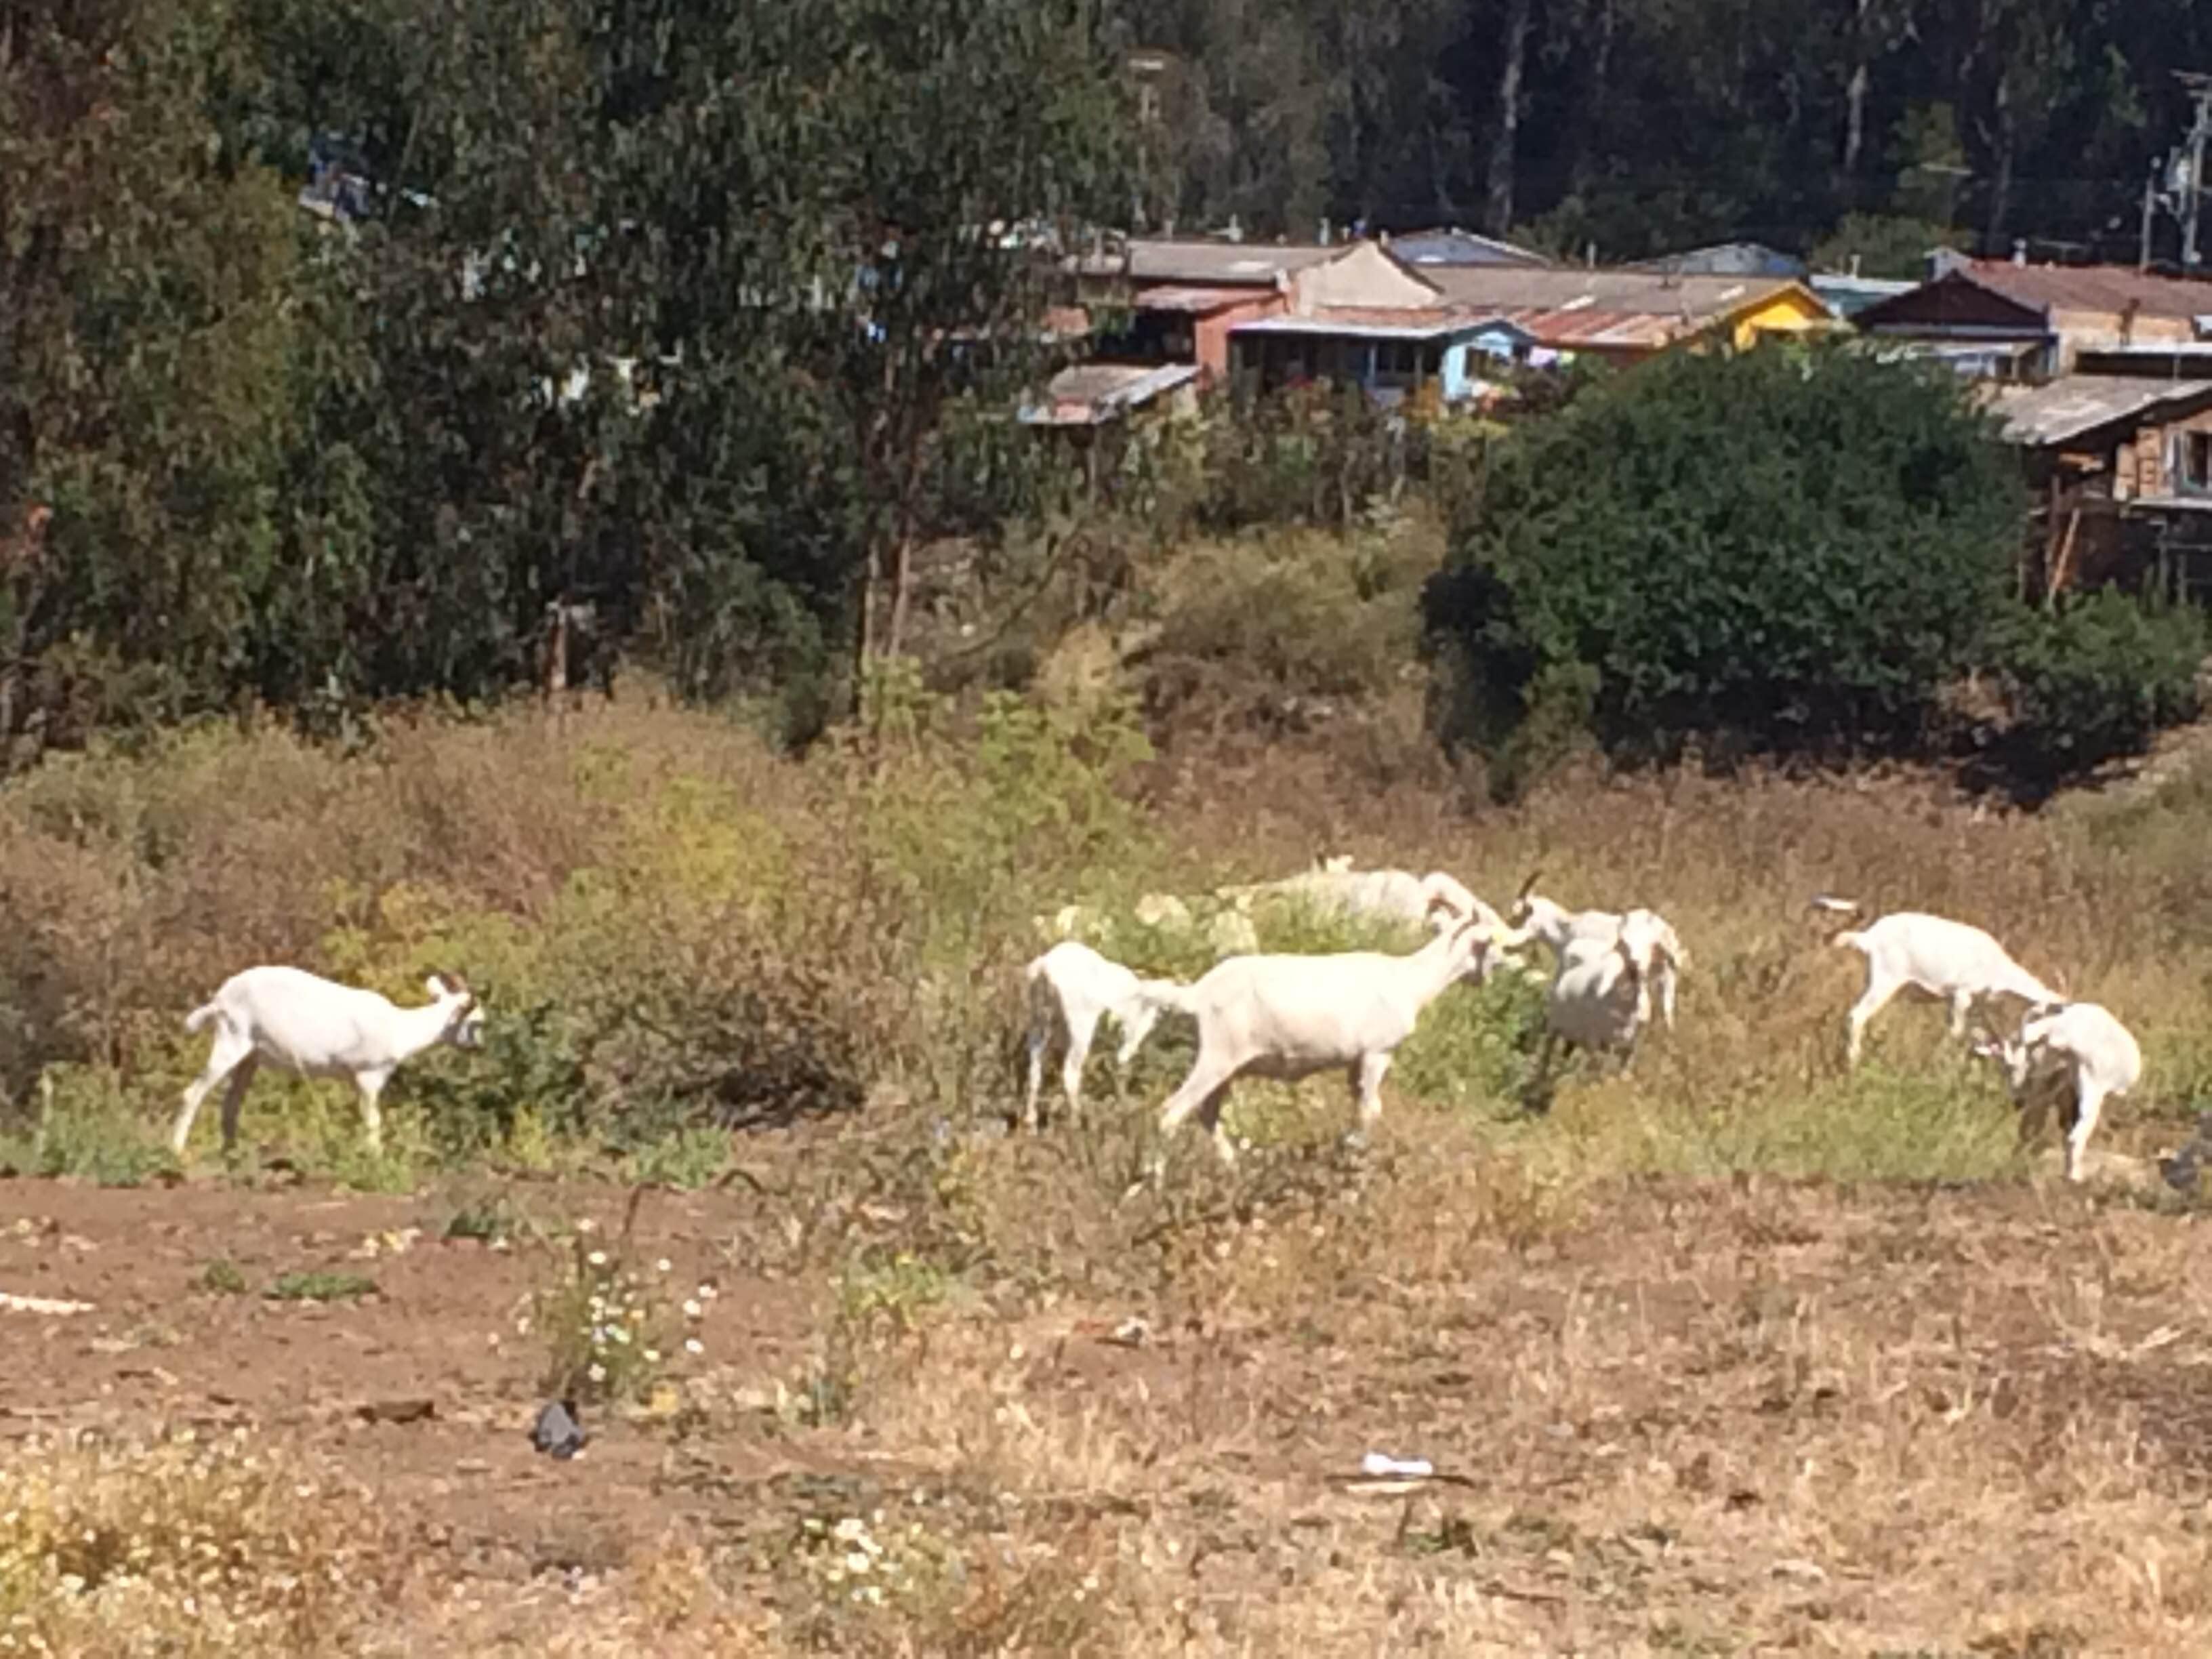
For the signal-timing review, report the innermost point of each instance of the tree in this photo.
(1795, 549)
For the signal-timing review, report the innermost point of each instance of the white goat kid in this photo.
(1070, 989)
(1952, 961)
(1540, 918)
(1290, 1017)
(319, 1028)
(2079, 1048)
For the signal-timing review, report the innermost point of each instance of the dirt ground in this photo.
(1719, 1418)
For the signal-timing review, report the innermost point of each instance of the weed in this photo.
(495, 1218)
(687, 1160)
(605, 1324)
(321, 1286)
(223, 1277)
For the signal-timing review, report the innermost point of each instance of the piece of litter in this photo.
(557, 1431)
(1415, 1468)
(41, 1304)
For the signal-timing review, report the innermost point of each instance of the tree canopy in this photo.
(1799, 548)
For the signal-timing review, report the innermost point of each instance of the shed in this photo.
(2118, 464)
(2059, 311)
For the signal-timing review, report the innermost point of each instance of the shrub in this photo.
(2096, 679)
(1791, 548)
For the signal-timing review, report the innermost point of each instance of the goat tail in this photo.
(200, 1016)
(1852, 936)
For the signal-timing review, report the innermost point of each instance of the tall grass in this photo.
(674, 927)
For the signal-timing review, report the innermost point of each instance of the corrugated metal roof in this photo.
(2075, 404)
(2091, 288)
(1567, 309)
(1725, 259)
(1453, 246)
(1221, 262)
(1199, 301)
(1089, 393)
(1381, 323)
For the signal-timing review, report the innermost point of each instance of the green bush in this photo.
(2096, 679)
(1789, 549)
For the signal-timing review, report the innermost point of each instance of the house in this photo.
(1453, 246)
(1185, 302)
(1627, 315)
(1429, 354)
(1363, 318)
(1179, 298)
(2122, 469)
(1724, 259)
(2035, 321)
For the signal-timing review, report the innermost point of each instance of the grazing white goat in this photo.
(2078, 1047)
(1600, 997)
(1933, 955)
(1382, 895)
(320, 1027)
(1070, 988)
(1541, 918)
(1289, 1017)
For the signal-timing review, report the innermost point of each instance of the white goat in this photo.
(1289, 1017)
(320, 1027)
(1070, 988)
(1380, 895)
(1935, 956)
(2079, 1046)
(1600, 997)
(1540, 918)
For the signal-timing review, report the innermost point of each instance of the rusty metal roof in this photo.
(2090, 288)
(2075, 404)
(1568, 309)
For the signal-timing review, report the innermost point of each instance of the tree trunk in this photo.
(1590, 129)
(1497, 217)
(1855, 97)
(2001, 188)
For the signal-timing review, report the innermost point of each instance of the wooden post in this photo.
(2057, 577)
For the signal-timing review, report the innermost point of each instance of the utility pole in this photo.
(2176, 184)
(2200, 96)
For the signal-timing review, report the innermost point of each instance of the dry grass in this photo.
(1739, 1351)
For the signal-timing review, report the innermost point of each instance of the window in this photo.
(2196, 468)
